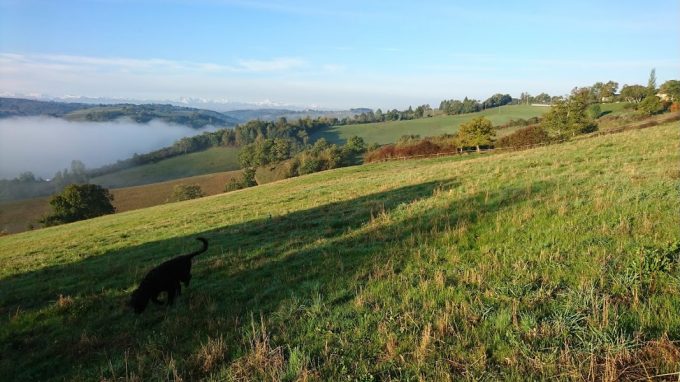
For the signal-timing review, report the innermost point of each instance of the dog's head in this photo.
(139, 300)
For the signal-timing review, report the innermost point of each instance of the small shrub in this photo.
(675, 106)
(532, 135)
(186, 192)
(246, 180)
(594, 111)
(233, 184)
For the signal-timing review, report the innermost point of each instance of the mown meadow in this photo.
(560, 262)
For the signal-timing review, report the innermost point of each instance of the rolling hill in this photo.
(196, 118)
(21, 215)
(557, 261)
(389, 132)
(215, 159)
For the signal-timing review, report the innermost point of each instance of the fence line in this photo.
(632, 126)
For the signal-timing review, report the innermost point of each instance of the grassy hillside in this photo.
(17, 216)
(213, 160)
(389, 132)
(546, 263)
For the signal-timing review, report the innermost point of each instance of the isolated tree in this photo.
(672, 89)
(79, 202)
(634, 93)
(477, 132)
(186, 192)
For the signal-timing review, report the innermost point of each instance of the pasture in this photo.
(389, 132)
(558, 262)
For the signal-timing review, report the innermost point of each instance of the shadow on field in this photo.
(250, 268)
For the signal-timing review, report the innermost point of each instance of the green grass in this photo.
(389, 132)
(614, 108)
(216, 159)
(551, 263)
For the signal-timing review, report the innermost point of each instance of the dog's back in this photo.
(165, 277)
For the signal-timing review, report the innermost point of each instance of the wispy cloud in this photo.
(60, 62)
(277, 64)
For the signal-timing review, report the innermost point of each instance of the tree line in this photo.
(568, 117)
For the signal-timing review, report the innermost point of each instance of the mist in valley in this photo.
(45, 145)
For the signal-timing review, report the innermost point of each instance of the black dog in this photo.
(165, 278)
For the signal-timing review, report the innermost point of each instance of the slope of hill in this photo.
(246, 115)
(21, 215)
(19, 107)
(209, 161)
(195, 118)
(526, 265)
(389, 132)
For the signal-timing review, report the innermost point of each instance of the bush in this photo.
(426, 146)
(79, 202)
(531, 135)
(247, 180)
(675, 107)
(233, 184)
(186, 192)
(594, 111)
(651, 105)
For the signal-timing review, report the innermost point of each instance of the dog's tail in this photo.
(205, 247)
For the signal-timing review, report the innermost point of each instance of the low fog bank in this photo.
(45, 145)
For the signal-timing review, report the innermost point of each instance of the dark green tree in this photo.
(355, 144)
(249, 177)
(186, 192)
(79, 202)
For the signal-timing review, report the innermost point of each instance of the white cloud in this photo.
(11, 62)
(277, 64)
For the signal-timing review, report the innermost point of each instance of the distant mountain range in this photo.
(142, 113)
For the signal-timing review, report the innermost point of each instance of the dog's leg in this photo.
(172, 292)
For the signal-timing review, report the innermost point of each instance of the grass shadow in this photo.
(251, 268)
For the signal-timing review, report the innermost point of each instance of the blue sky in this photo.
(331, 54)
